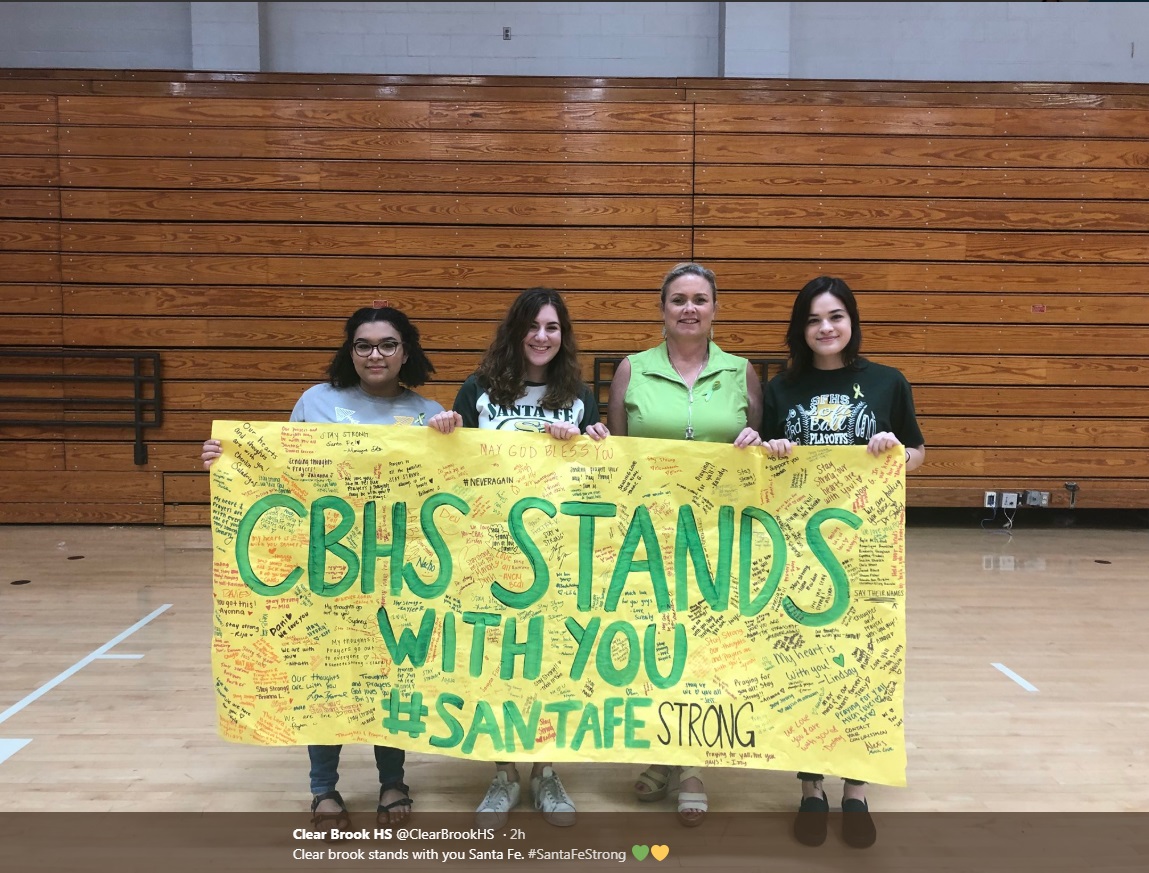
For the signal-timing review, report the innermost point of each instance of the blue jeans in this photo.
(325, 766)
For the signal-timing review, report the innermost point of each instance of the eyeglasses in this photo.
(387, 348)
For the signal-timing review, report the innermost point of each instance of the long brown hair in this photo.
(504, 366)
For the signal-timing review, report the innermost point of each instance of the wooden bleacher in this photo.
(231, 222)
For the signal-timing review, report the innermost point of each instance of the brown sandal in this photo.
(328, 821)
(383, 812)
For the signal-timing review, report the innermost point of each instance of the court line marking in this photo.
(8, 748)
(1008, 672)
(81, 664)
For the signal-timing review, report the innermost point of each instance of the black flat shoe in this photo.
(810, 822)
(857, 826)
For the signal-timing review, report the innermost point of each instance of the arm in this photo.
(904, 422)
(561, 430)
(754, 394)
(589, 421)
(780, 448)
(211, 451)
(616, 403)
(592, 424)
(466, 401)
(915, 457)
(445, 421)
(749, 435)
(462, 413)
(884, 441)
(598, 431)
(776, 446)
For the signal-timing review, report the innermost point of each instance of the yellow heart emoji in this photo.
(660, 852)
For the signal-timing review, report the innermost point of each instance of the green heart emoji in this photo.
(640, 852)
(840, 660)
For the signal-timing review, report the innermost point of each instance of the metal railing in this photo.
(139, 406)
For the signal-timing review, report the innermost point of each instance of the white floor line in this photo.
(80, 665)
(1008, 672)
(8, 748)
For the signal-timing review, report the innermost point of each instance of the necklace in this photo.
(689, 433)
(697, 372)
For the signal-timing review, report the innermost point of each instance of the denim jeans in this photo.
(325, 766)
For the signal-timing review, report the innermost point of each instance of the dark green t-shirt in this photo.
(841, 407)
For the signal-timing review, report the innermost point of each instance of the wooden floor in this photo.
(133, 727)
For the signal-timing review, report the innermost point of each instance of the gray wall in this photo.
(1029, 41)
(100, 35)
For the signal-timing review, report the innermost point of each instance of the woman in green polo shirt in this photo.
(685, 388)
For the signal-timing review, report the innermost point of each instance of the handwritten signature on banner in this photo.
(486, 594)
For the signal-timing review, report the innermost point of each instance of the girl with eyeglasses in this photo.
(369, 381)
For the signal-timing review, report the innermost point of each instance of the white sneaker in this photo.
(551, 799)
(500, 799)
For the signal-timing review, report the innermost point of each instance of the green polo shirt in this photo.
(659, 405)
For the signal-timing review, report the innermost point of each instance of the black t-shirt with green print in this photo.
(841, 407)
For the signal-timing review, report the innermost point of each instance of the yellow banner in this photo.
(506, 596)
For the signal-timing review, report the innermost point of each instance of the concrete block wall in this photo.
(547, 39)
(130, 36)
(225, 36)
(1026, 41)
(1007, 42)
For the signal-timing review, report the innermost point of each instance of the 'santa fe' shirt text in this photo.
(525, 414)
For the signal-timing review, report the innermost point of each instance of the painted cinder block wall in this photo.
(1057, 42)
